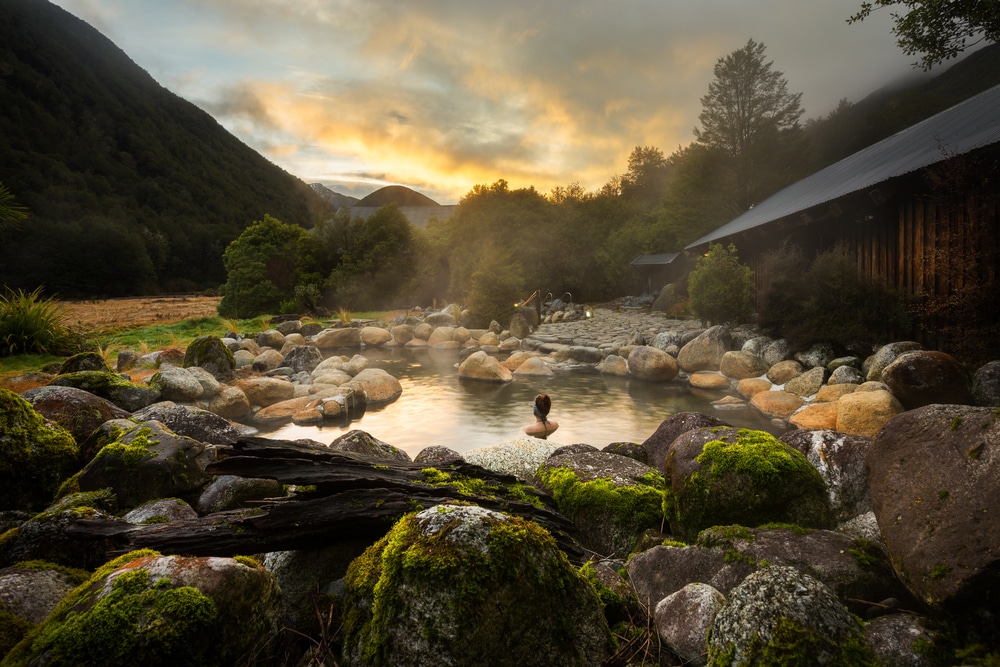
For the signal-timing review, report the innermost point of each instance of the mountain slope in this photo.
(398, 194)
(131, 188)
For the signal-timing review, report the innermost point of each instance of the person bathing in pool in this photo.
(543, 426)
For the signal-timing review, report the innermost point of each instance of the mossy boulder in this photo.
(612, 499)
(722, 476)
(780, 616)
(46, 535)
(459, 585)
(84, 361)
(76, 410)
(115, 388)
(146, 462)
(29, 591)
(35, 455)
(210, 353)
(152, 610)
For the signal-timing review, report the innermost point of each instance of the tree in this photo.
(720, 288)
(646, 180)
(262, 268)
(938, 30)
(749, 115)
(11, 213)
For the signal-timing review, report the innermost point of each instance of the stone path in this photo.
(610, 328)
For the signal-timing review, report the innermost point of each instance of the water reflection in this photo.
(437, 408)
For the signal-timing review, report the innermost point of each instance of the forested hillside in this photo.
(131, 189)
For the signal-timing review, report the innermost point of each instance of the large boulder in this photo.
(934, 475)
(375, 336)
(840, 459)
(204, 426)
(783, 371)
(739, 365)
(612, 499)
(808, 383)
(534, 367)
(263, 391)
(229, 492)
(865, 412)
(776, 404)
(520, 457)
(230, 403)
(706, 351)
(343, 337)
(146, 462)
(986, 385)
(376, 384)
(683, 620)
(210, 353)
(874, 365)
(28, 593)
(921, 377)
(76, 410)
(302, 358)
(159, 611)
(367, 445)
(454, 584)
(648, 363)
(36, 455)
(176, 384)
(780, 616)
(719, 476)
(481, 366)
(658, 444)
(115, 388)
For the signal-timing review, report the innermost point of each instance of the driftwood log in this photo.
(348, 498)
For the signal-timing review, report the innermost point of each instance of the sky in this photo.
(442, 95)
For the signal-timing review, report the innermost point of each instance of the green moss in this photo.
(133, 451)
(673, 543)
(720, 535)
(792, 645)
(938, 571)
(865, 552)
(955, 424)
(477, 487)
(13, 629)
(69, 487)
(74, 575)
(156, 518)
(248, 561)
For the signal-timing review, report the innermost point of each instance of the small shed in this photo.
(660, 269)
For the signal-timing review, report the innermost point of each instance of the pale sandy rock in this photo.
(265, 391)
(377, 384)
(268, 360)
(864, 412)
(423, 331)
(535, 366)
(517, 358)
(648, 363)
(333, 338)
(375, 336)
(776, 404)
(440, 335)
(833, 392)
(481, 366)
(783, 371)
(740, 365)
(519, 456)
(613, 364)
(489, 338)
(708, 380)
(282, 411)
(231, 403)
(816, 416)
(462, 334)
(750, 386)
(402, 333)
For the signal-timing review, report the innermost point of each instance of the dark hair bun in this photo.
(543, 404)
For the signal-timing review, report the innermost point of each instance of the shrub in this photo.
(720, 289)
(827, 299)
(32, 324)
(494, 287)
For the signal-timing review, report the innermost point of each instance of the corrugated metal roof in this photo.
(969, 125)
(664, 258)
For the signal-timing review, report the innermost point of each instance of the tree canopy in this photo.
(938, 30)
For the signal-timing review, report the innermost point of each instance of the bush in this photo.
(720, 289)
(494, 287)
(827, 299)
(32, 324)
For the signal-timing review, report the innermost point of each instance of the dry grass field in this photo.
(118, 314)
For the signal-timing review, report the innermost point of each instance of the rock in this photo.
(684, 618)
(489, 338)
(533, 366)
(183, 611)
(649, 363)
(231, 403)
(210, 353)
(113, 387)
(424, 330)
(244, 359)
(281, 412)
(333, 338)
(176, 384)
(44, 537)
(818, 416)
(204, 426)
(719, 476)
(779, 612)
(783, 371)
(852, 362)
(864, 412)
(481, 366)
(873, 367)
(519, 325)
(611, 499)
(437, 455)
(76, 410)
(630, 449)
(271, 338)
(777, 352)
(455, 563)
(520, 457)
(161, 510)
(376, 384)
(228, 492)
(845, 375)
(749, 387)
(613, 365)
(289, 327)
(441, 319)
(739, 365)
(441, 335)
(705, 352)
(376, 336)
(658, 444)
(144, 463)
(585, 354)
(31, 591)
(210, 386)
(402, 333)
(126, 360)
(808, 383)
(709, 380)
(818, 354)
(365, 444)
(756, 346)
(776, 404)
(901, 640)
(84, 361)
(36, 455)
(831, 393)
(264, 391)
(934, 475)
(302, 358)
(665, 339)
(986, 385)
(921, 377)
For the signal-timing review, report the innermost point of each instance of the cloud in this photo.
(449, 93)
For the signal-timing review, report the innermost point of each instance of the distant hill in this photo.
(131, 189)
(335, 199)
(396, 194)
